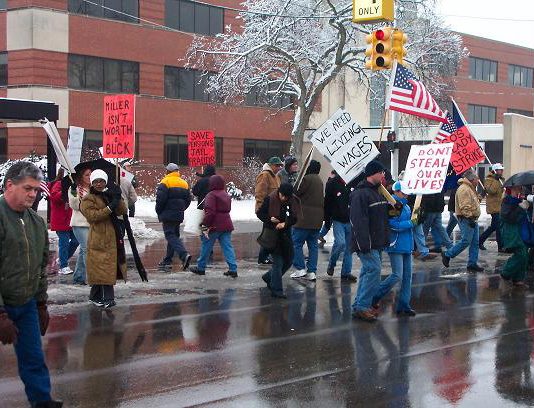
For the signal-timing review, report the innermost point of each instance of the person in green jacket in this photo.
(23, 258)
(513, 213)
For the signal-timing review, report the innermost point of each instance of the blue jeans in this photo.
(174, 243)
(453, 222)
(494, 227)
(369, 280)
(401, 270)
(225, 240)
(66, 247)
(311, 238)
(81, 234)
(434, 222)
(419, 237)
(342, 237)
(469, 238)
(30, 358)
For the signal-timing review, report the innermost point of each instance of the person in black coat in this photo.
(202, 187)
(433, 205)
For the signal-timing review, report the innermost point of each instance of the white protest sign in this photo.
(57, 144)
(426, 168)
(344, 144)
(74, 145)
(124, 173)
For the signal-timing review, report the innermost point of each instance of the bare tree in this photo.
(288, 51)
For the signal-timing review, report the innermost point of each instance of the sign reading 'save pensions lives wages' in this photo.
(344, 144)
(426, 168)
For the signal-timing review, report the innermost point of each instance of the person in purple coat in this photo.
(217, 225)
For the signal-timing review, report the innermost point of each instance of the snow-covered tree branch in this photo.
(289, 51)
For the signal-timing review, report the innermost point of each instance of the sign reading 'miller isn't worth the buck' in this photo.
(119, 126)
(344, 144)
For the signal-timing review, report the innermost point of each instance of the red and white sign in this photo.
(201, 147)
(426, 168)
(119, 126)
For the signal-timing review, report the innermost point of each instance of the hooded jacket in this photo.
(266, 183)
(172, 198)
(202, 187)
(217, 207)
(369, 218)
(401, 230)
(311, 197)
(512, 216)
(337, 200)
(494, 191)
(467, 201)
(60, 212)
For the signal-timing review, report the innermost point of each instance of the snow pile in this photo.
(140, 230)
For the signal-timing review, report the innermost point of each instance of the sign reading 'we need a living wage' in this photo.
(343, 142)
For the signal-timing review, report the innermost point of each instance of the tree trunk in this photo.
(302, 118)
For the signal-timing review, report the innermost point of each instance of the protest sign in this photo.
(74, 144)
(201, 147)
(119, 126)
(426, 168)
(344, 144)
(58, 146)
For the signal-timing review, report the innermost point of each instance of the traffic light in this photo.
(397, 50)
(379, 51)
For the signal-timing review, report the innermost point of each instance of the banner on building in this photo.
(119, 126)
(343, 142)
(57, 144)
(74, 144)
(201, 147)
(426, 168)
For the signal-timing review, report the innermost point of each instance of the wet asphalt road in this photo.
(185, 340)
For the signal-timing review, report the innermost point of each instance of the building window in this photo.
(258, 96)
(3, 4)
(263, 149)
(176, 150)
(3, 144)
(520, 76)
(190, 84)
(103, 74)
(194, 17)
(3, 68)
(482, 69)
(482, 114)
(521, 112)
(123, 10)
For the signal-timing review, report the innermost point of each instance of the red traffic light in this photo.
(379, 34)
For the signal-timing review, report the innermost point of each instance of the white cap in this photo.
(98, 174)
(172, 167)
(497, 166)
(399, 185)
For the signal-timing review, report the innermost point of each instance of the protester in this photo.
(79, 224)
(513, 214)
(494, 196)
(450, 187)
(217, 225)
(370, 236)
(23, 287)
(434, 205)
(306, 230)
(128, 167)
(290, 171)
(60, 215)
(336, 209)
(172, 199)
(327, 225)
(128, 195)
(423, 252)
(266, 183)
(202, 187)
(400, 255)
(467, 211)
(280, 211)
(106, 256)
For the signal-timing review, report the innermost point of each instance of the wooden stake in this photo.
(382, 128)
(382, 190)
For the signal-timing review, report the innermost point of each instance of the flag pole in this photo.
(382, 128)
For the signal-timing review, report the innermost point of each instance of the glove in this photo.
(524, 204)
(530, 198)
(8, 330)
(44, 317)
(114, 204)
(472, 223)
(74, 189)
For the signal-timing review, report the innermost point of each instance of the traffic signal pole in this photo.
(394, 116)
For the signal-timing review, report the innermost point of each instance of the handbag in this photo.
(193, 221)
(268, 239)
(527, 232)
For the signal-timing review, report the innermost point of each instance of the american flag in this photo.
(445, 130)
(407, 94)
(44, 188)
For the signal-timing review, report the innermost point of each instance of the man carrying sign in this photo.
(467, 211)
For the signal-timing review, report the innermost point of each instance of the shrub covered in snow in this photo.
(233, 191)
(39, 161)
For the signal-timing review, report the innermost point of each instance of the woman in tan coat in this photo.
(106, 258)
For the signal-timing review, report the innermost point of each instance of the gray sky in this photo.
(485, 25)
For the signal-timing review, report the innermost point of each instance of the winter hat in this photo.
(288, 162)
(286, 189)
(497, 166)
(98, 174)
(275, 160)
(172, 167)
(373, 167)
(314, 167)
(399, 185)
(469, 175)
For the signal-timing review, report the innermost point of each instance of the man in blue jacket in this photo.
(172, 199)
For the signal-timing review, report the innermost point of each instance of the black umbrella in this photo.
(525, 178)
(101, 164)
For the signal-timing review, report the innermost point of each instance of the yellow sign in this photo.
(372, 11)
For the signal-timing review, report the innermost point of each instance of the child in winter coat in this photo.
(400, 254)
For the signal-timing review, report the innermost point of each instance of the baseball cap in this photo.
(172, 167)
(275, 160)
(497, 166)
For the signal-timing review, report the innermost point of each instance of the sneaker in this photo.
(265, 262)
(322, 241)
(266, 281)
(97, 303)
(481, 247)
(349, 278)
(65, 271)
(475, 268)
(330, 271)
(445, 260)
(407, 313)
(231, 274)
(428, 257)
(109, 304)
(186, 261)
(300, 273)
(365, 315)
(165, 265)
(311, 276)
(196, 270)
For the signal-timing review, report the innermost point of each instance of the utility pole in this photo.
(394, 166)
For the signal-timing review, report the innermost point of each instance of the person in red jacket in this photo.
(217, 226)
(60, 214)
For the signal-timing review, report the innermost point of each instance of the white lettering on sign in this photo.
(426, 168)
